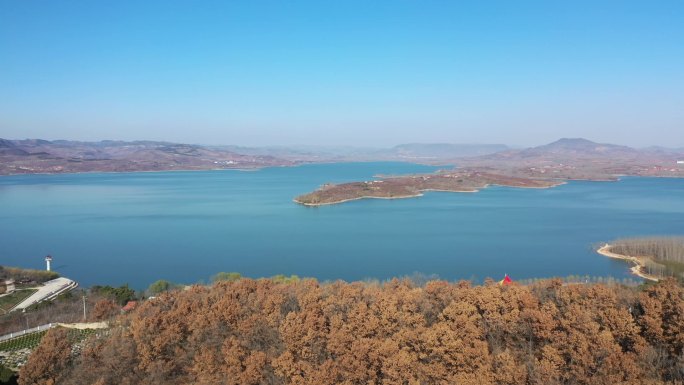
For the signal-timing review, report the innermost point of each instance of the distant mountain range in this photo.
(583, 149)
(62, 156)
(405, 152)
(579, 147)
(570, 148)
(445, 150)
(577, 158)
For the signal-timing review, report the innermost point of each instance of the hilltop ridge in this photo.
(580, 147)
(31, 156)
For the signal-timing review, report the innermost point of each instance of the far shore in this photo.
(639, 262)
(67, 173)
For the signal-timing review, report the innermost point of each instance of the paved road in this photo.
(49, 290)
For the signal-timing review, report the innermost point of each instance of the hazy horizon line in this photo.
(346, 145)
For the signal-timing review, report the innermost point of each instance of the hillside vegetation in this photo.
(26, 275)
(262, 332)
(101, 302)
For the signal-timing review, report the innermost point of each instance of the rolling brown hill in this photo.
(41, 156)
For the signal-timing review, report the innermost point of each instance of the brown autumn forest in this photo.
(264, 332)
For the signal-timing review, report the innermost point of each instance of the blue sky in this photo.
(346, 72)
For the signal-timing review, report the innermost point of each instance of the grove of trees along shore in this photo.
(666, 254)
(263, 332)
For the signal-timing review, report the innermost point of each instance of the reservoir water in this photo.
(186, 226)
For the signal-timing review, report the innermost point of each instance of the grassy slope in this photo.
(9, 301)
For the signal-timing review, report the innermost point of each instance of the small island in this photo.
(415, 185)
(654, 258)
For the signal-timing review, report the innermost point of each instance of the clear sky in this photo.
(371, 73)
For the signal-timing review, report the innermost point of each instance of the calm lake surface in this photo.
(185, 226)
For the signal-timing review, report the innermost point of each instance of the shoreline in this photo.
(296, 163)
(419, 194)
(559, 183)
(354, 199)
(638, 262)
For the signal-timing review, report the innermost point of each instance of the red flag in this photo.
(506, 281)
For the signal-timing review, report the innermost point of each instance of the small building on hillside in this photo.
(129, 306)
(680, 162)
(7, 287)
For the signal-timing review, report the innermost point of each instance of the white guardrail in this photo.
(77, 325)
(28, 331)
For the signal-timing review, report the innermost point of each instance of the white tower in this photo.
(48, 260)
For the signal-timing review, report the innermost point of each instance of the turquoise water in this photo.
(185, 226)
